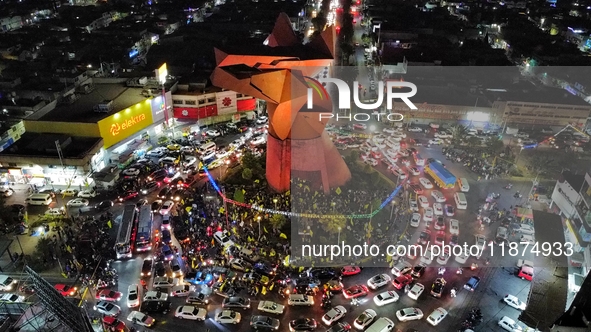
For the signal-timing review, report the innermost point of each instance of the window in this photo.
(201, 101)
(211, 100)
(190, 102)
(177, 102)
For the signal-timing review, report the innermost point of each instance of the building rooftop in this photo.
(528, 92)
(574, 180)
(43, 145)
(82, 109)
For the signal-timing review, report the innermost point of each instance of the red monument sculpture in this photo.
(280, 72)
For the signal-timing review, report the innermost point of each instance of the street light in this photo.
(259, 220)
(333, 205)
(339, 236)
(275, 201)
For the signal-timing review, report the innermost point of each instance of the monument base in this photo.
(315, 160)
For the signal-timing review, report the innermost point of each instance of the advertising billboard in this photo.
(125, 123)
(226, 102)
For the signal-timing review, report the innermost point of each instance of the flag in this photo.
(338, 191)
(109, 224)
(243, 191)
(283, 236)
(265, 229)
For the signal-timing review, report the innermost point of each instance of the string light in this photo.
(302, 215)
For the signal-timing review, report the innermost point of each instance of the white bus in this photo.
(461, 202)
(125, 236)
(143, 238)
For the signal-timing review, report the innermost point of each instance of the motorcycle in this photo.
(441, 271)
(459, 271)
(509, 186)
(517, 195)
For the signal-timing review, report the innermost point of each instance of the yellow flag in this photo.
(265, 229)
(243, 191)
(109, 224)
(338, 191)
(283, 236)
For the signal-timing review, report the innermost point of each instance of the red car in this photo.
(127, 195)
(108, 295)
(355, 291)
(66, 290)
(403, 280)
(113, 324)
(350, 270)
(439, 237)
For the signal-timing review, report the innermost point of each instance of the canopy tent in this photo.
(524, 213)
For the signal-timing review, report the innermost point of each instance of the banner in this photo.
(226, 102)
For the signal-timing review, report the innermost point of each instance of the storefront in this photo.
(211, 108)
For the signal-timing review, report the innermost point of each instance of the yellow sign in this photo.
(125, 123)
(161, 73)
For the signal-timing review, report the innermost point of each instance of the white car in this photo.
(131, 172)
(187, 149)
(444, 257)
(213, 133)
(54, 212)
(414, 171)
(378, 281)
(526, 239)
(510, 325)
(514, 302)
(261, 139)
(334, 314)
(207, 156)
(107, 308)
(133, 296)
(182, 291)
(415, 129)
(407, 314)
(428, 215)
(454, 227)
(415, 220)
(389, 130)
(271, 307)
(423, 201)
(526, 229)
(386, 298)
(140, 318)
(415, 291)
(238, 264)
(155, 296)
(442, 134)
(78, 202)
(437, 316)
(436, 141)
(426, 183)
(437, 209)
(365, 319)
(414, 207)
(371, 162)
(166, 207)
(392, 154)
(438, 196)
(156, 153)
(190, 312)
(262, 119)
(222, 154)
(10, 297)
(87, 194)
(189, 161)
(228, 317)
(463, 257)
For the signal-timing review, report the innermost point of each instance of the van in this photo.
(463, 184)
(383, 324)
(300, 299)
(207, 147)
(502, 234)
(461, 202)
(39, 199)
(248, 255)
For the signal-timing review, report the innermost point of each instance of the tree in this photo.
(247, 174)
(458, 133)
(366, 39)
(277, 221)
(332, 225)
(238, 194)
(495, 145)
(473, 141)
